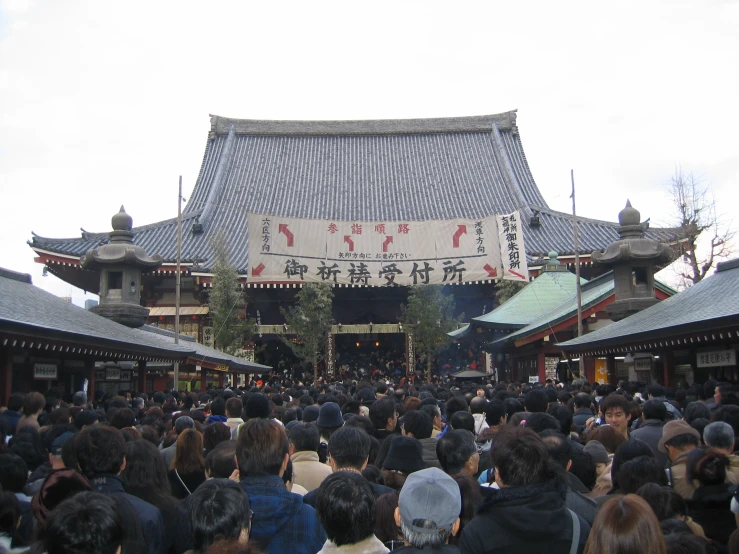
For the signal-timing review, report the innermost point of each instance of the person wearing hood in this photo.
(528, 512)
(283, 522)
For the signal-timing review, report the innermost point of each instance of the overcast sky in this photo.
(106, 103)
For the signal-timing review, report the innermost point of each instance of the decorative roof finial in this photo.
(122, 221)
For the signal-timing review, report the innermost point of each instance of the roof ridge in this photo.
(470, 124)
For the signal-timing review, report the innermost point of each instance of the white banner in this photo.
(44, 371)
(716, 358)
(283, 249)
(512, 251)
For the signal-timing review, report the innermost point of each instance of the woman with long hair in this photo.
(624, 525)
(711, 502)
(187, 471)
(145, 476)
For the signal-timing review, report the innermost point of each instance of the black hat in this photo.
(257, 407)
(310, 413)
(329, 416)
(406, 455)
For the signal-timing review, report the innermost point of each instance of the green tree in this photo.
(225, 299)
(309, 322)
(505, 289)
(430, 314)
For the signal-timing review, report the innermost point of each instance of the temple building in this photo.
(402, 171)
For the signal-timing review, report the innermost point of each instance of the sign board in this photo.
(330, 347)
(643, 364)
(717, 358)
(410, 354)
(550, 367)
(601, 371)
(489, 363)
(385, 253)
(112, 374)
(44, 372)
(533, 378)
(208, 336)
(99, 375)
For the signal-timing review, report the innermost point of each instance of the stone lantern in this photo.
(120, 264)
(634, 259)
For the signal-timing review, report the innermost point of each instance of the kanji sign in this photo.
(385, 253)
(717, 358)
(44, 371)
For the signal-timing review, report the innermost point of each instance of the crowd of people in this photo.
(373, 466)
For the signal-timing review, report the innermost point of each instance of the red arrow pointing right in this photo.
(350, 242)
(461, 230)
(492, 272)
(257, 271)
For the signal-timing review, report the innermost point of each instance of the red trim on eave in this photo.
(600, 306)
(47, 258)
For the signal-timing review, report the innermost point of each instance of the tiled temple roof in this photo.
(391, 170)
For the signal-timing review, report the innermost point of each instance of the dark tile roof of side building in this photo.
(391, 170)
(711, 305)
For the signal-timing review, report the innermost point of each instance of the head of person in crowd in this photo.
(719, 435)
(262, 449)
(183, 423)
(433, 411)
(678, 437)
(329, 419)
(386, 529)
(625, 524)
(404, 457)
(13, 473)
(189, 452)
(79, 398)
(257, 407)
(85, 418)
(654, 409)
(540, 421)
(697, 410)
(558, 447)
(607, 436)
(304, 437)
(520, 458)
(29, 445)
(145, 475)
(495, 414)
(478, 404)
(220, 463)
(384, 415)
(218, 510)
(658, 498)
(637, 472)
(348, 448)
(471, 497)
(707, 466)
(536, 401)
(345, 505)
(629, 450)
(417, 424)
(583, 401)
(87, 523)
(455, 404)
(33, 404)
(457, 453)
(100, 450)
(462, 421)
(10, 519)
(617, 413)
(122, 418)
(564, 416)
(59, 485)
(234, 407)
(214, 434)
(428, 509)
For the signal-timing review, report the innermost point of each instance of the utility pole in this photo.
(577, 271)
(177, 285)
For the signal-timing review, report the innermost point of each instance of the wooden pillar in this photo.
(589, 366)
(611, 369)
(90, 373)
(142, 377)
(668, 368)
(6, 373)
(203, 384)
(541, 367)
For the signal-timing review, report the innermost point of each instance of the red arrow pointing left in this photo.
(388, 240)
(285, 231)
(492, 272)
(257, 271)
(461, 230)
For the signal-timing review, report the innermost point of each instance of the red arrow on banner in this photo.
(516, 274)
(461, 230)
(257, 271)
(350, 242)
(492, 272)
(285, 231)
(388, 240)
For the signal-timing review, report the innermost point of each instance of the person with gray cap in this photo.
(181, 423)
(428, 512)
(678, 440)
